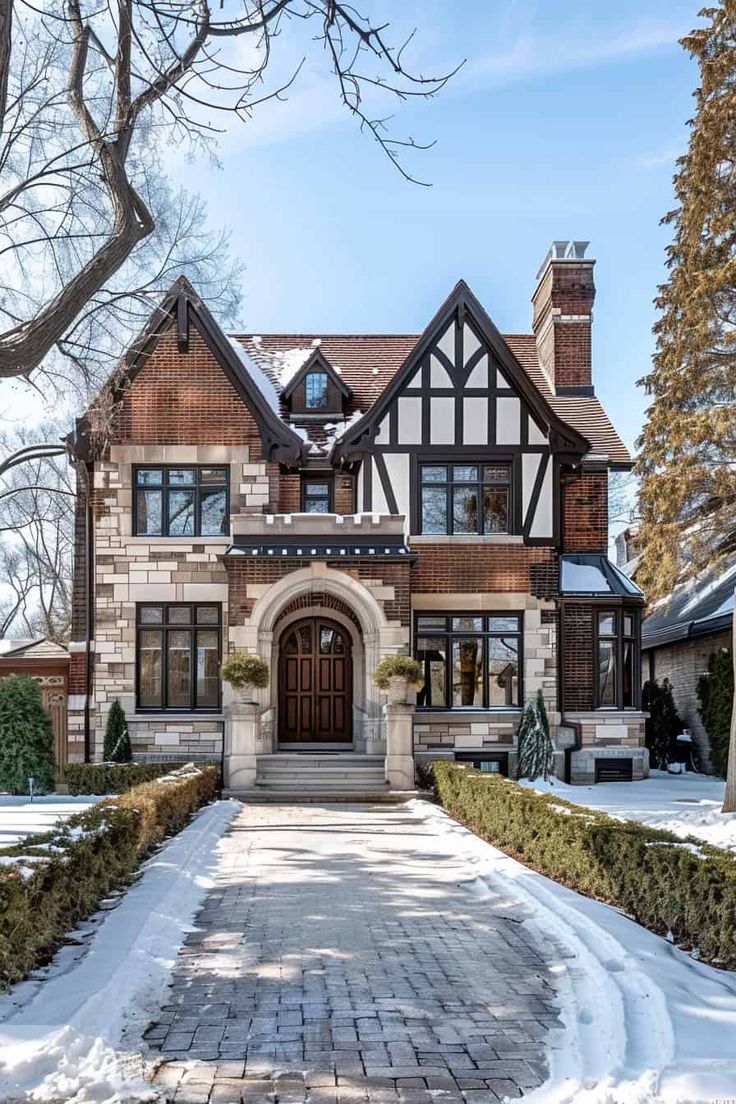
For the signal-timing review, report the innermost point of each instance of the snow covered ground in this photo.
(61, 1033)
(686, 804)
(644, 1022)
(20, 817)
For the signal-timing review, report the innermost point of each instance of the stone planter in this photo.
(398, 690)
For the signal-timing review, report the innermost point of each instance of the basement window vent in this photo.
(614, 770)
(494, 763)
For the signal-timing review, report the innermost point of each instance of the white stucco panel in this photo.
(470, 343)
(508, 421)
(438, 376)
(382, 437)
(543, 521)
(475, 421)
(410, 420)
(479, 376)
(441, 421)
(530, 462)
(536, 436)
(380, 505)
(397, 467)
(447, 343)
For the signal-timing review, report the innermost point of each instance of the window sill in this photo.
(468, 713)
(166, 541)
(465, 538)
(142, 715)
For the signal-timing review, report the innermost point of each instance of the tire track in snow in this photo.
(618, 1033)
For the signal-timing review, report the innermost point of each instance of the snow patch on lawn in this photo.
(644, 1023)
(684, 804)
(20, 817)
(60, 1038)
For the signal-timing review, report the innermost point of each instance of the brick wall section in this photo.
(683, 663)
(445, 568)
(585, 512)
(185, 398)
(563, 306)
(77, 670)
(577, 645)
(243, 572)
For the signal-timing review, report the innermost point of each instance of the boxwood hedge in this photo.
(111, 778)
(685, 888)
(51, 881)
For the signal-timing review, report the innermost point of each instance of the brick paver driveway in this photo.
(346, 955)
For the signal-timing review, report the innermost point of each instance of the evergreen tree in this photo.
(26, 737)
(535, 748)
(688, 446)
(663, 725)
(117, 741)
(715, 692)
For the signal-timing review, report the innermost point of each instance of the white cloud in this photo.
(665, 154)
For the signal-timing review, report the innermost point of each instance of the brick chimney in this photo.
(563, 317)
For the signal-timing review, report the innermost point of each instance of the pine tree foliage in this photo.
(535, 748)
(715, 693)
(117, 741)
(26, 737)
(663, 724)
(688, 446)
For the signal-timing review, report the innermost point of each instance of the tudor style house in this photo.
(325, 500)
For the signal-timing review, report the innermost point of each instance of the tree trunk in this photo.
(729, 800)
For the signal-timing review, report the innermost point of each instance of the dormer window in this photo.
(316, 391)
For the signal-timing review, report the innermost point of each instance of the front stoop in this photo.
(320, 776)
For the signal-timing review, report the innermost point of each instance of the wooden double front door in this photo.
(315, 683)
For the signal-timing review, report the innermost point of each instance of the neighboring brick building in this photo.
(326, 500)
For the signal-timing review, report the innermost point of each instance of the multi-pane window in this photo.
(181, 502)
(316, 496)
(469, 662)
(178, 653)
(315, 391)
(618, 644)
(465, 498)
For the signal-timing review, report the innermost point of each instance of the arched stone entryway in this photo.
(318, 590)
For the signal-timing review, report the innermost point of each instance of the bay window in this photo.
(178, 657)
(617, 644)
(469, 661)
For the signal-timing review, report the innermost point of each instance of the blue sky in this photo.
(564, 123)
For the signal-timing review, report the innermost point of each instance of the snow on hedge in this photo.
(684, 804)
(643, 1022)
(61, 1038)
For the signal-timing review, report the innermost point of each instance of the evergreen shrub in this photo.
(61, 876)
(26, 737)
(663, 724)
(715, 694)
(685, 888)
(536, 753)
(110, 778)
(117, 740)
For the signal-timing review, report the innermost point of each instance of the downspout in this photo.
(88, 627)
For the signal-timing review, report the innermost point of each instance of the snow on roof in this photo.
(261, 380)
(577, 578)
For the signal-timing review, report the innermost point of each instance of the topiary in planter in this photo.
(245, 671)
(399, 667)
(26, 737)
(117, 740)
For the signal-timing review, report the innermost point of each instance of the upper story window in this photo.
(469, 661)
(316, 391)
(316, 496)
(465, 498)
(617, 636)
(181, 502)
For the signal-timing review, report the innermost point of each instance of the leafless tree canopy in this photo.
(92, 90)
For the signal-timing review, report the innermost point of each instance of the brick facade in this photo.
(495, 567)
(585, 512)
(563, 316)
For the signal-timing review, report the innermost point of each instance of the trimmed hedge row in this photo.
(685, 888)
(61, 876)
(111, 778)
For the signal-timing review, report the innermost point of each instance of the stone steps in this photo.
(321, 776)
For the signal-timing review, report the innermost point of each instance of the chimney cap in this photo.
(564, 251)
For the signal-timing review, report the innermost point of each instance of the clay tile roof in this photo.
(368, 362)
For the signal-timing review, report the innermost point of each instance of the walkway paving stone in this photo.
(344, 956)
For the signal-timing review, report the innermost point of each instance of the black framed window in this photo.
(465, 498)
(469, 661)
(181, 501)
(316, 495)
(178, 649)
(617, 645)
(316, 391)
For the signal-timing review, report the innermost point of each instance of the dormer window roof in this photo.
(316, 388)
